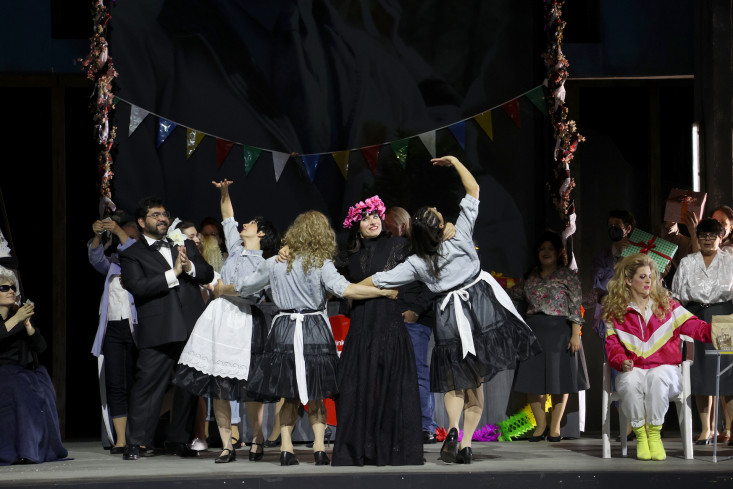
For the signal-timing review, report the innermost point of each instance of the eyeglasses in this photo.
(708, 236)
(158, 215)
(5, 288)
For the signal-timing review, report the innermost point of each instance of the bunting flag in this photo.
(342, 161)
(278, 163)
(165, 128)
(311, 165)
(193, 138)
(136, 117)
(537, 97)
(223, 147)
(428, 140)
(459, 132)
(400, 151)
(371, 155)
(250, 157)
(512, 110)
(484, 120)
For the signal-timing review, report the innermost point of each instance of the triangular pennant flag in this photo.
(136, 117)
(428, 140)
(115, 100)
(250, 157)
(342, 161)
(512, 110)
(165, 128)
(371, 155)
(193, 138)
(278, 163)
(537, 97)
(459, 132)
(223, 147)
(400, 151)
(311, 165)
(484, 120)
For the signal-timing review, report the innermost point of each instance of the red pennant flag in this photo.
(223, 147)
(512, 110)
(371, 155)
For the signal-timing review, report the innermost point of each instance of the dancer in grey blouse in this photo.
(478, 331)
(300, 358)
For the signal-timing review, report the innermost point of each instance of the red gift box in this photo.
(680, 202)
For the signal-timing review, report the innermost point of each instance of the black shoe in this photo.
(256, 455)
(540, 437)
(116, 450)
(147, 452)
(131, 452)
(428, 438)
(706, 441)
(464, 456)
(320, 457)
(554, 439)
(270, 444)
(449, 450)
(179, 449)
(288, 458)
(231, 456)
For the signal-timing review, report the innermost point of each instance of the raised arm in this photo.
(469, 183)
(227, 210)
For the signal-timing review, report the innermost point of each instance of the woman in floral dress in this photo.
(552, 294)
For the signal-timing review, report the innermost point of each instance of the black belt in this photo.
(699, 306)
(299, 311)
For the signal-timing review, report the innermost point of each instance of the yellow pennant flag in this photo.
(193, 138)
(484, 120)
(342, 160)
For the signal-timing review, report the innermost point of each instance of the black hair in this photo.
(626, 217)
(353, 242)
(710, 226)
(427, 236)
(185, 225)
(271, 239)
(556, 241)
(144, 205)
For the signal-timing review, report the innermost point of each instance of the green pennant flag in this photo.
(400, 151)
(250, 157)
(537, 97)
(115, 100)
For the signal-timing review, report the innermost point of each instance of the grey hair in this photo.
(7, 275)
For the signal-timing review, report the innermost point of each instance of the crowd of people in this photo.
(182, 332)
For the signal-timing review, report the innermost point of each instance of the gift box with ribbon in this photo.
(505, 282)
(680, 202)
(659, 250)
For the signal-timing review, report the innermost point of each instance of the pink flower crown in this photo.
(364, 208)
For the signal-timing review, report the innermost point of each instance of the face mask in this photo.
(616, 234)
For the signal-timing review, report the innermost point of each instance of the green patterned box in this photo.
(655, 247)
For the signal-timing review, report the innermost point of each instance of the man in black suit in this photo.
(164, 280)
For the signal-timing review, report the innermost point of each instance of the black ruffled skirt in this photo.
(274, 375)
(500, 340)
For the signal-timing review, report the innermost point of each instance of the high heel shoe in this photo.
(256, 455)
(288, 458)
(321, 458)
(553, 439)
(540, 437)
(272, 443)
(724, 437)
(706, 441)
(449, 450)
(231, 456)
(464, 456)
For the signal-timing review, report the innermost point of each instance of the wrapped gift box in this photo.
(680, 202)
(505, 282)
(659, 250)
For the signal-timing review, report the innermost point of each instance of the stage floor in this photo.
(572, 463)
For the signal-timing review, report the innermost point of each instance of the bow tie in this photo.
(161, 243)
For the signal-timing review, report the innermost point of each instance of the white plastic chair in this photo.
(683, 402)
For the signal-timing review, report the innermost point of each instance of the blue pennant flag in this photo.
(311, 165)
(165, 128)
(459, 132)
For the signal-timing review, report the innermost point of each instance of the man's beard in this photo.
(154, 232)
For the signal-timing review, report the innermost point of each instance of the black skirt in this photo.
(274, 375)
(556, 370)
(499, 337)
(702, 372)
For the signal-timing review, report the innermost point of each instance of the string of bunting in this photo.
(566, 134)
(100, 69)
(311, 161)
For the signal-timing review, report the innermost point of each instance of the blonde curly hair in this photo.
(211, 251)
(312, 239)
(614, 304)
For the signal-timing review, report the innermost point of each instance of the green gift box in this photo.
(659, 250)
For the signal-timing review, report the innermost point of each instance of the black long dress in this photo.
(378, 410)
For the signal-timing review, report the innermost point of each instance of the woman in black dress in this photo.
(379, 404)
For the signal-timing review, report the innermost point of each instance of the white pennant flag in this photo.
(428, 139)
(278, 163)
(136, 117)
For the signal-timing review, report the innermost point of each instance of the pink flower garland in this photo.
(364, 208)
